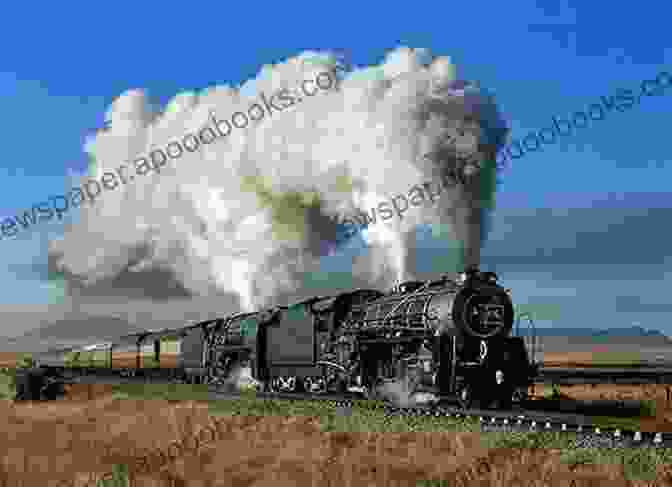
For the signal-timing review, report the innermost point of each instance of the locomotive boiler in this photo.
(450, 337)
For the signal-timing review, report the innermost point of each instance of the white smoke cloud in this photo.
(253, 212)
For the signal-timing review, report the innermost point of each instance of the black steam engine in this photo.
(443, 337)
(447, 337)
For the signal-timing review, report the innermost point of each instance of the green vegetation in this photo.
(626, 423)
(8, 376)
(615, 359)
(7, 385)
(638, 463)
(119, 478)
(24, 360)
(648, 408)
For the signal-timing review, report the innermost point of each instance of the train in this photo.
(449, 337)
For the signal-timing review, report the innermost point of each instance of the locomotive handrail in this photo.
(417, 291)
(533, 336)
(422, 314)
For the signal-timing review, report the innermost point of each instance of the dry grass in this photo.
(168, 443)
(591, 358)
(171, 444)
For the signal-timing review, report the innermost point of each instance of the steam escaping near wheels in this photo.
(240, 379)
(398, 393)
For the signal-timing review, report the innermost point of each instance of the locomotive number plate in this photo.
(492, 314)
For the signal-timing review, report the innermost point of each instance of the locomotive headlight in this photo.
(499, 377)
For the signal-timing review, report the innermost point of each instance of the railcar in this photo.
(449, 337)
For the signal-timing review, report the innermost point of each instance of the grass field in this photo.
(131, 428)
(130, 425)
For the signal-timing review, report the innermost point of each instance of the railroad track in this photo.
(522, 420)
(587, 433)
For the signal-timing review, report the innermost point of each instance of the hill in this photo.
(629, 332)
(70, 332)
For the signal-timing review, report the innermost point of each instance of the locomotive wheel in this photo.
(275, 384)
(315, 385)
(284, 384)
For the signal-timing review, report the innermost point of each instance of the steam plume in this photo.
(253, 213)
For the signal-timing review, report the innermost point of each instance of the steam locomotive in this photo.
(446, 337)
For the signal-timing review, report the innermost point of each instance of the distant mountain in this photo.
(75, 331)
(632, 331)
(564, 339)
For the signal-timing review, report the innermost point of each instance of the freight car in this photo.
(449, 337)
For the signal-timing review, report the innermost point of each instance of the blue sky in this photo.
(582, 225)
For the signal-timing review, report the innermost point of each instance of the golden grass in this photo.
(168, 443)
(588, 359)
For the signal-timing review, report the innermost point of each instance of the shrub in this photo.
(119, 478)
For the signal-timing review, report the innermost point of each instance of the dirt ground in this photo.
(8, 359)
(566, 358)
(73, 443)
(587, 358)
